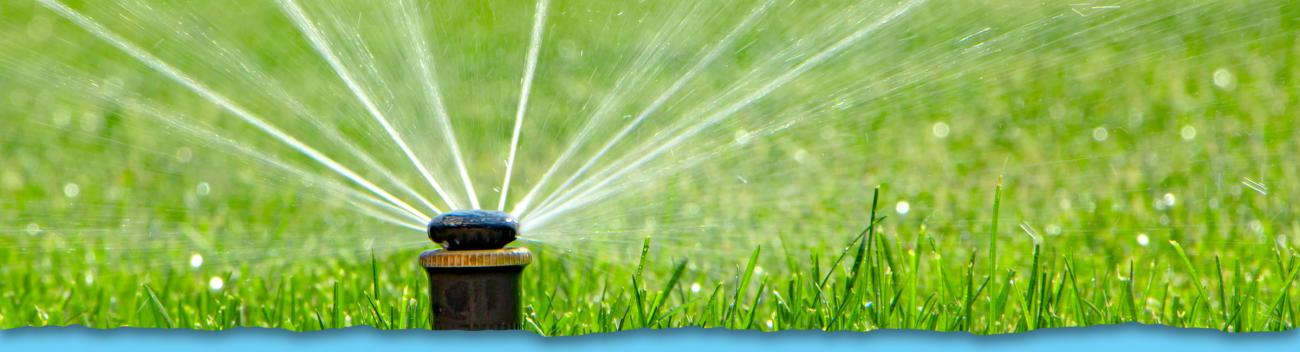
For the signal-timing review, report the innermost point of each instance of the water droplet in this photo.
(1053, 229)
(1100, 134)
(1256, 226)
(1224, 79)
(769, 323)
(71, 190)
(33, 229)
(91, 121)
(743, 137)
(196, 260)
(1188, 132)
(1065, 204)
(800, 156)
(940, 130)
(202, 189)
(1143, 240)
(216, 283)
(184, 155)
(902, 207)
(62, 117)
(89, 277)
(695, 287)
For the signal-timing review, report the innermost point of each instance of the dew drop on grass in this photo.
(196, 260)
(1188, 132)
(769, 324)
(940, 130)
(1100, 134)
(1143, 240)
(33, 229)
(89, 277)
(1224, 79)
(695, 287)
(216, 283)
(203, 189)
(1169, 200)
(902, 207)
(71, 190)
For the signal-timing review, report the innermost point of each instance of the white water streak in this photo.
(424, 60)
(641, 64)
(254, 75)
(176, 122)
(247, 116)
(566, 203)
(317, 39)
(654, 106)
(534, 46)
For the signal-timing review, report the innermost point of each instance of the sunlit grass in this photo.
(1060, 166)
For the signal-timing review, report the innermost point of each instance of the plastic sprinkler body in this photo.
(474, 278)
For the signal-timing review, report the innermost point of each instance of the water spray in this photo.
(474, 277)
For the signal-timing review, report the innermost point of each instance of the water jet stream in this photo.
(672, 90)
(177, 123)
(424, 59)
(534, 46)
(754, 77)
(712, 119)
(176, 75)
(654, 107)
(317, 40)
(246, 70)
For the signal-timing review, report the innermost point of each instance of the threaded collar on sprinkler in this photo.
(473, 229)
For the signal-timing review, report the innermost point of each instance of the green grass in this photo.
(1067, 189)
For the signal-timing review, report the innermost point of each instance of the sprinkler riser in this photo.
(475, 298)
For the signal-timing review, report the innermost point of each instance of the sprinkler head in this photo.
(474, 277)
(473, 229)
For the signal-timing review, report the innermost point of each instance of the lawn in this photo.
(983, 166)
